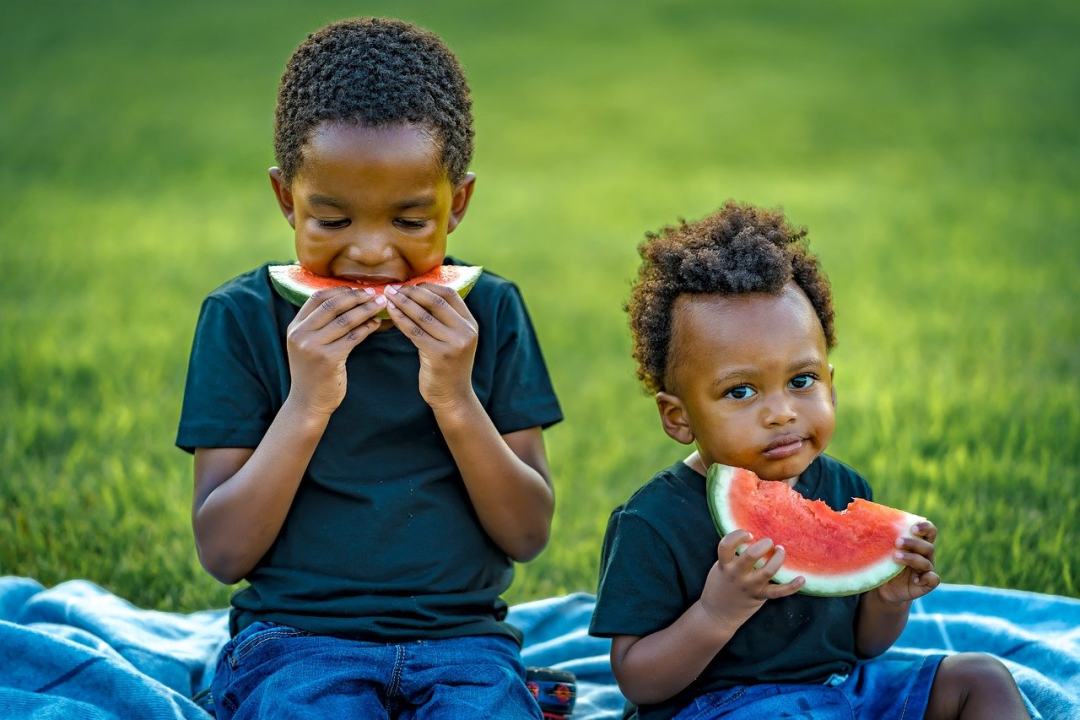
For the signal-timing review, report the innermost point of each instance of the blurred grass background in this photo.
(932, 150)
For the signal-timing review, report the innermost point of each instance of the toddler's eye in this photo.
(801, 382)
(740, 392)
(409, 224)
(334, 224)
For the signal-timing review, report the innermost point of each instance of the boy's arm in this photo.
(655, 667)
(883, 611)
(242, 496)
(506, 476)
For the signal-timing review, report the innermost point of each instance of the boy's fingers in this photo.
(419, 315)
(348, 321)
(433, 298)
(453, 300)
(416, 334)
(325, 305)
(926, 530)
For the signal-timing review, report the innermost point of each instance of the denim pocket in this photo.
(258, 635)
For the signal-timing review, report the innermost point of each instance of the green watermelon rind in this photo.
(297, 293)
(835, 585)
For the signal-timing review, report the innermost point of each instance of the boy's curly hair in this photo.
(738, 249)
(374, 71)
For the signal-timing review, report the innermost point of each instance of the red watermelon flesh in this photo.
(296, 283)
(838, 553)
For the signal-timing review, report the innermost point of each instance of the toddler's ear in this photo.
(284, 195)
(673, 418)
(832, 381)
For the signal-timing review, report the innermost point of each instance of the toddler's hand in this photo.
(439, 323)
(734, 588)
(319, 339)
(918, 578)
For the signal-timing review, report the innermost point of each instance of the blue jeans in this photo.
(879, 689)
(276, 671)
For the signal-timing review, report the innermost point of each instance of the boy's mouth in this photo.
(783, 447)
(369, 279)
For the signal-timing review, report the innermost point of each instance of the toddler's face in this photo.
(752, 380)
(371, 203)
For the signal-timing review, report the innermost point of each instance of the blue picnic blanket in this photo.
(78, 651)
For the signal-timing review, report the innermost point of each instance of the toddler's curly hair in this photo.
(374, 71)
(738, 249)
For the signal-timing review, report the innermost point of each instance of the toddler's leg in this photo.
(973, 685)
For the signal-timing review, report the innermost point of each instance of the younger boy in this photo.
(371, 480)
(732, 320)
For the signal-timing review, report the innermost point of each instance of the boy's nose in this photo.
(368, 249)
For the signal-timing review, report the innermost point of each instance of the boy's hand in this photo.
(918, 578)
(734, 589)
(319, 339)
(438, 322)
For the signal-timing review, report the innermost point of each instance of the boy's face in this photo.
(750, 381)
(371, 203)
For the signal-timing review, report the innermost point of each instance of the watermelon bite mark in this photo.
(296, 283)
(838, 553)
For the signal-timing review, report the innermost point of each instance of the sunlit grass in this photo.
(931, 150)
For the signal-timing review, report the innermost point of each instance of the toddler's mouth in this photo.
(783, 446)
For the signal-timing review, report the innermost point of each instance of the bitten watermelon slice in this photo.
(838, 553)
(296, 283)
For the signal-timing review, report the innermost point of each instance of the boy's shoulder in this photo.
(247, 289)
(670, 494)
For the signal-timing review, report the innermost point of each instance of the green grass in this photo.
(932, 149)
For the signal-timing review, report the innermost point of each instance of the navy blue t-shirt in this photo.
(381, 541)
(658, 550)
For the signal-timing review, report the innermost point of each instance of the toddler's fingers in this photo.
(928, 580)
(755, 554)
(774, 591)
(916, 562)
(354, 336)
(926, 530)
(773, 564)
(916, 545)
(730, 543)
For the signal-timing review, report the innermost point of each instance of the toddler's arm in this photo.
(655, 667)
(506, 476)
(242, 495)
(883, 612)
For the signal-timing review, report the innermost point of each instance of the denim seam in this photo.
(242, 651)
(395, 677)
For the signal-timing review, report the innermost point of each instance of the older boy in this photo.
(372, 481)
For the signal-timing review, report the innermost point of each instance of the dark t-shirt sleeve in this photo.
(521, 394)
(225, 402)
(640, 589)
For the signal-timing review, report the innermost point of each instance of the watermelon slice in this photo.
(838, 553)
(296, 283)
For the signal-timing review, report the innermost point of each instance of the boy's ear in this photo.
(832, 382)
(284, 195)
(673, 418)
(459, 203)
